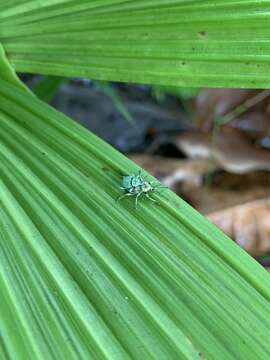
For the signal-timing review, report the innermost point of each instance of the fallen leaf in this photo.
(248, 224)
(231, 151)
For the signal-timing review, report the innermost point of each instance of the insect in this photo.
(137, 185)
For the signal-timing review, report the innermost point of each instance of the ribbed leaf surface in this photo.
(168, 42)
(82, 277)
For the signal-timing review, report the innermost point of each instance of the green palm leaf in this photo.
(82, 277)
(173, 42)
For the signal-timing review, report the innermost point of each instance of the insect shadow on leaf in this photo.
(138, 185)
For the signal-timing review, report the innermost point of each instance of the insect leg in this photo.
(136, 200)
(122, 197)
(149, 197)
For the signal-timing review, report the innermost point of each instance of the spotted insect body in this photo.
(131, 181)
(137, 185)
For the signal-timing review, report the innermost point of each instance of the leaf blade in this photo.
(174, 43)
(105, 280)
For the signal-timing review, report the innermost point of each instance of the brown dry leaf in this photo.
(228, 190)
(248, 224)
(232, 150)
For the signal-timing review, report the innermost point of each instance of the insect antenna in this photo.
(161, 187)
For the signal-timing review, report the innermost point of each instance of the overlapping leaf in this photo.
(167, 42)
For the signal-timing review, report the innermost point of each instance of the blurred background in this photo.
(211, 146)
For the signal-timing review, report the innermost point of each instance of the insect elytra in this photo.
(137, 185)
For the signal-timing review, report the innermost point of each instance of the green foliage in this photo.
(47, 87)
(82, 277)
(167, 42)
(159, 282)
(182, 93)
(111, 93)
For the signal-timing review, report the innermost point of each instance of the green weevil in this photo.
(137, 185)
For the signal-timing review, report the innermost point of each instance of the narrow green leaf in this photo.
(47, 87)
(111, 93)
